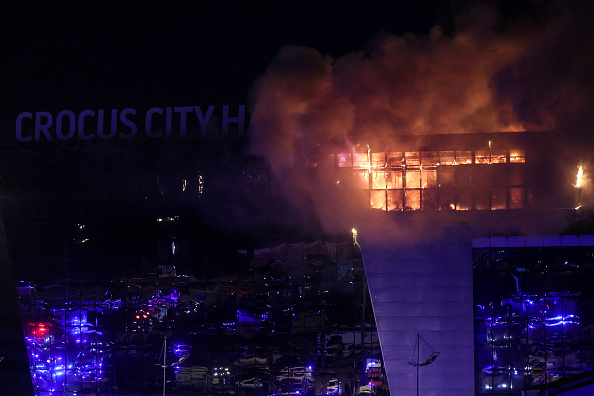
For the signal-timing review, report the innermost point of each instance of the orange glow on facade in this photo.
(438, 180)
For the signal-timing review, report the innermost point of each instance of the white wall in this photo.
(423, 287)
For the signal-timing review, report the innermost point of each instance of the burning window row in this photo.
(438, 180)
(445, 187)
(369, 160)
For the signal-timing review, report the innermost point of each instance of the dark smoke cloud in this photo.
(551, 80)
(500, 70)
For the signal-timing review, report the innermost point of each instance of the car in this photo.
(365, 391)
(252, 383)
(293, 387)
(333, 387)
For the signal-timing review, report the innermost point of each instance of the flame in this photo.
(579, 177)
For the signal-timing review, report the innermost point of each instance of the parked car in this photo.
(333, 387)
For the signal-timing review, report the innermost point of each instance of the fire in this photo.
(579, 182)
(579, 178)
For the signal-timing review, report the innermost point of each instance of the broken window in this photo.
(516, 198)
(482, 157)
(394, 159)
(463, 157)
(395, 200)
(516, 175)
(378, 199)
(412, 158)
(447, 158)
(412, 199)
(429, 198)
(447, 200)
(445, 176)
(394, 179)
(378, 180)
(428, 177)
(360, 160)
(464, 200)
(498, 156)
(378, 160)
(429, 158)
(517, 155)
(481, 199)
(413, 178)
(498, 199)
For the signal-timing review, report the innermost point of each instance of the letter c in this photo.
(148, 123)
(81, 124)
(19, 121)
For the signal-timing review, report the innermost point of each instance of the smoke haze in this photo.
(492, 74)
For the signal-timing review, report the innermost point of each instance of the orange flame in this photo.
(579, 177)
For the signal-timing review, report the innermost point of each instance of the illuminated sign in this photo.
(156, 122)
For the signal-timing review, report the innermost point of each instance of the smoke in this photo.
(552, 78)
(494, 73)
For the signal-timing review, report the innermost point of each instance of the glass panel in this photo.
(412, 199)
(501, 380)
(429, 158)
(499, 259)
(517, 155)
(504, 285)
(447, 158)
(498, 156)
(429, 197)
(378, 199)
(481, 200)
(447, 200)
(498, 199)
(360, 160)
(395, 200)
(516, 175)
(394, 178)
(482, 157)
(463, 157)
(534, 283)
(488, 176)
(516, 198)
(482, 284)
(394, 159)
(463, 200)
(428, 177)
(445, 176)
(412, 158)
(462, 176)
(378, 160)
(378, 180)
(413, 178)
(481, 259)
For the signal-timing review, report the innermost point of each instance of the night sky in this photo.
(98, 55)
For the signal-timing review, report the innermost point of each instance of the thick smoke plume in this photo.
(530, 73)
